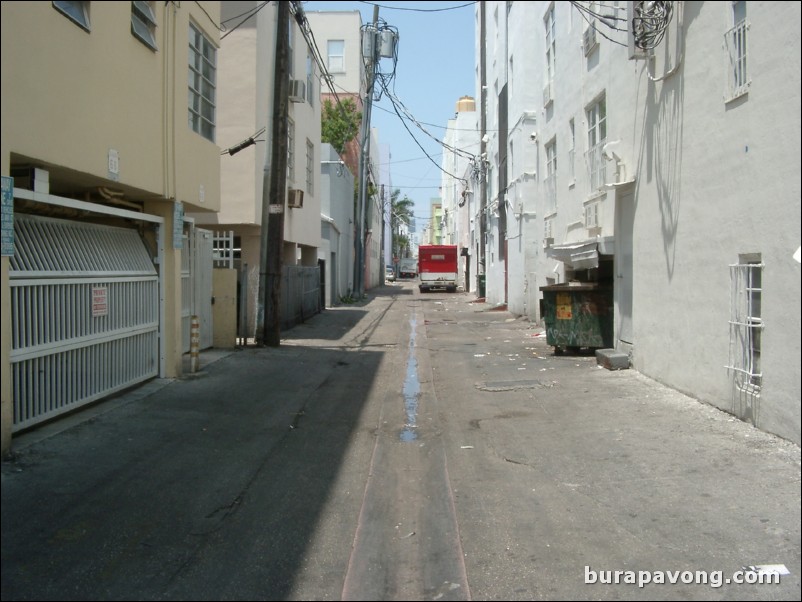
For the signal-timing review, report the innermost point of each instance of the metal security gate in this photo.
(85, 315)
(300, 294)
(197, 262)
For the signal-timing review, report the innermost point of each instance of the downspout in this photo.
(483, 134)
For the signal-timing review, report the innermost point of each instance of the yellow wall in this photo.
(224, 310)
(70, 95)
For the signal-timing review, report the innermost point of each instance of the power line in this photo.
(250, 13)
(205, 12)
(421, 10)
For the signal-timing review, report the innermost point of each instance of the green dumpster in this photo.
(578, 315)
(480, 285)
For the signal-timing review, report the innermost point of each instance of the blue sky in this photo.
(435, 68)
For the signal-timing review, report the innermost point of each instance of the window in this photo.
(551, 177)
(202, 83)
(143, 23)
(597, 137)
(290, 150)
(550, 63)
(310, 79)
(571, 152)
(336, 63)
(746, 323)
(78, 12)
(589, 40)
(310, 166)
(738, 80)
(290, 48)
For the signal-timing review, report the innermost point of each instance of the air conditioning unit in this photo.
(297, 90)
(548, 242)
(547, 94)
(589, 40)
(295, 198)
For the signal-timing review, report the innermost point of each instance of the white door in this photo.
(624, 225)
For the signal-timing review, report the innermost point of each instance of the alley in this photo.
(408, 447)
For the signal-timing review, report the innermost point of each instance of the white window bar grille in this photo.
(550, 181)
(596, 167)
(738, 76)
(746, 326)
(223, 245)
(597, 137)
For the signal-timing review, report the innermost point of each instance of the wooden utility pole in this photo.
(274, 186)
(370, 57)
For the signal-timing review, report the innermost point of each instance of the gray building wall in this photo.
(337, 226)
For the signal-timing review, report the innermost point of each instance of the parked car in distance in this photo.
(389, 274)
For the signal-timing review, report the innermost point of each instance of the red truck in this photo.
(437, 267)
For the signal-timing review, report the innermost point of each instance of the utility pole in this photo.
(274, 184)
(370, 44)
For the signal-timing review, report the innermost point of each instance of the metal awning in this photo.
(579, 256)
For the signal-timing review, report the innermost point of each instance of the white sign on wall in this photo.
(100, 301)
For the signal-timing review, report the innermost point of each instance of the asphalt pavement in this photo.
(406, 447)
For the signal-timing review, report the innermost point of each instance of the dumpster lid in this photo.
(576, 286)
(582, 255)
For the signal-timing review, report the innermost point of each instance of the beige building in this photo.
(109, 131)
(247, 67)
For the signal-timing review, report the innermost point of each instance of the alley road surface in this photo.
(408, 447)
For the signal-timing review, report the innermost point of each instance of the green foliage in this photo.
(401, 211)
(340, 125)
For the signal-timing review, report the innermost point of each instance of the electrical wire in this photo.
(591, 21)
(205, 12)
(650, 23)
(397, 103)
(251, 13)
(420, 10)
(406, 127)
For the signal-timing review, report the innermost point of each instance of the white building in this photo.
(672, 176)
(460, 159)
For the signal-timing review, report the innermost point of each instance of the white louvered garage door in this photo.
(85, 315)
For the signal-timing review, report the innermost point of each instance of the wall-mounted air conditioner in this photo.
(295, 198)
(589, 40)
(297, 90)
(548, 242)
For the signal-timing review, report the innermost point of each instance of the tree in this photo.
(340, 124)
(401, 211)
